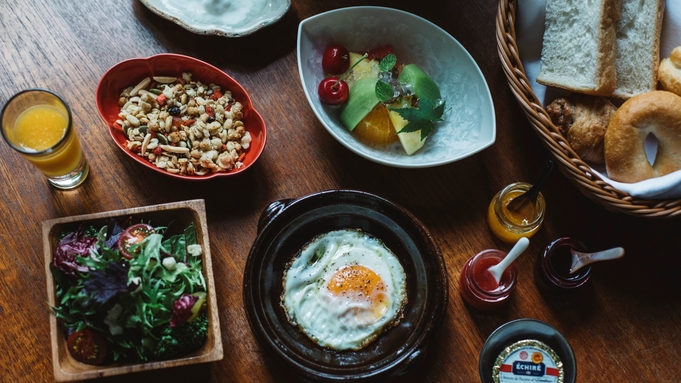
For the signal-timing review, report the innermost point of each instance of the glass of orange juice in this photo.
(37, 123)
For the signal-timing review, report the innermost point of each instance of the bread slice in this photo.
(579, 50)
(638, 46)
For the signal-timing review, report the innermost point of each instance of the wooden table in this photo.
(628, 331)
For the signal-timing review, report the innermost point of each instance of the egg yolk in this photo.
(360, 284)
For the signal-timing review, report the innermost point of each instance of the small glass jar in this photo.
(479, 288)
(510, 226)
(552, 268)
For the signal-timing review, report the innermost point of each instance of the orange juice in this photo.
(42, 127)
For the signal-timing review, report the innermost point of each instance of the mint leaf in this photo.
(384, 91)
(388, 63)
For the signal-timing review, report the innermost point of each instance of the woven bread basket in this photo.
(569, 163)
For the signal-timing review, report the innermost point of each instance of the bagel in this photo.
(657, 113)
(669, 72)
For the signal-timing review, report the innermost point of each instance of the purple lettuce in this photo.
(72, 246)
(182, 309)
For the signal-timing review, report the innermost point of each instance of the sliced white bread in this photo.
(578, 51)
(638, 47)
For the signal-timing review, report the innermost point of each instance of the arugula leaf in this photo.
(190, 234)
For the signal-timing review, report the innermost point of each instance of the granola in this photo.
(184, 126)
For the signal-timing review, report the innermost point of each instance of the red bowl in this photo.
(132, 71)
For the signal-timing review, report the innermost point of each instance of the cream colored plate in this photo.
(229, 18)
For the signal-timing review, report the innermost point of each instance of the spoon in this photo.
(529, 198)
(580, 259)
(498, 270)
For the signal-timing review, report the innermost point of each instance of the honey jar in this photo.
(509, 226)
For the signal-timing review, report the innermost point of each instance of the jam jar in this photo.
(478, 286)
(508, 225)
(552, 268)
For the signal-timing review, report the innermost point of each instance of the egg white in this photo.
(342, 322)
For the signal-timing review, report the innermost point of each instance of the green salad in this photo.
(130, 293)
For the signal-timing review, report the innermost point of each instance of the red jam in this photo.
(477, 285)
(552, 267)
(482, 276)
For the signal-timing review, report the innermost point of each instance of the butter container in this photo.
(527, 350)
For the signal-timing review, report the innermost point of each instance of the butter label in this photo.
(528, 361)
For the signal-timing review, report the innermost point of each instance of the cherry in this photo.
(333, 91)
(336, 59)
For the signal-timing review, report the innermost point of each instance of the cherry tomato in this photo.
(336, 60)
(133, 235)
(333, 92)
(380, 52)
(87, 346)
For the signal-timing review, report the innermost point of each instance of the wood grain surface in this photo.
(627, 330)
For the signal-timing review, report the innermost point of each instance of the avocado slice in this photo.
(419, 83)
(361, 100)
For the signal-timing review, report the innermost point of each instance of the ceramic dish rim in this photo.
(200, 29)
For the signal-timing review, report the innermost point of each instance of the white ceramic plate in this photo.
(229, 18)
(469, 125)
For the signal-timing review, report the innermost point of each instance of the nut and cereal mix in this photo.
(184, 126)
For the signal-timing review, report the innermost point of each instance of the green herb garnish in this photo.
(422, 118)
(388, 63)
(384, 91)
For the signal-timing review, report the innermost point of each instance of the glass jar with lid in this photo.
(508, 225)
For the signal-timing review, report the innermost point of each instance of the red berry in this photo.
(333, 92)
(336, 59)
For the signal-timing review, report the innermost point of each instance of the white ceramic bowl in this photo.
(220, 17)
(469, 125)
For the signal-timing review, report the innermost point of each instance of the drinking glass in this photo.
(37, 123)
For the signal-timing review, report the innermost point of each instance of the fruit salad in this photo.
(380, 100)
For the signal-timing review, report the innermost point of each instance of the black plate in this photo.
(286, 226)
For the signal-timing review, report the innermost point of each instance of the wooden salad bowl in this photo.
(66, 368)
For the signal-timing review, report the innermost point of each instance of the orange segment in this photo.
(376, 127)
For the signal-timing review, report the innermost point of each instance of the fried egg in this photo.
(343, 289)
